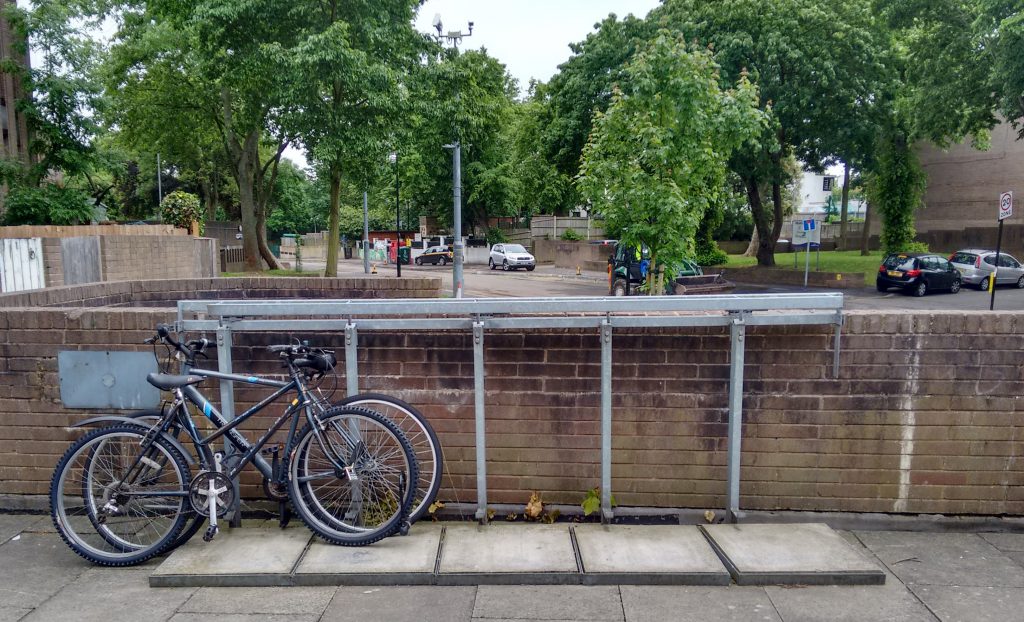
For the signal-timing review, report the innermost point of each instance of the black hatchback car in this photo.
(917, 273)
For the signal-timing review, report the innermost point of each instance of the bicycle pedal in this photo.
(211, 532)
(284, 515)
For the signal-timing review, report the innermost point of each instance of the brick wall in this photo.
(140, 257)
(924, 417)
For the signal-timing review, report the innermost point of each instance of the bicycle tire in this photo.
(120, 541)
(420, 434)
(149, 418)
(385, 466)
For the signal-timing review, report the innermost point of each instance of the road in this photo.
(548, 280)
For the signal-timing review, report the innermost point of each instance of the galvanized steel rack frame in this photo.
(226, 317)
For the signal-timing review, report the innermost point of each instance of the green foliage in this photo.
(181, 209)
(709, 254)
(46, 205)
(570, 235)
(592, 501)
(496, 236)
(916, 247)
(656, 161)
(895, 189)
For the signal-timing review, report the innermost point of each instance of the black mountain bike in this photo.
(124, 493)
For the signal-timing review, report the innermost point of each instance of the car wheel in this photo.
(419, 261)
(443, 261)
(504, 265)
(1020, 283)
(490, 264)
(955, 288)
(880, 287)
(619, 288)
(530, 269)
(920, 289)
(983, 284)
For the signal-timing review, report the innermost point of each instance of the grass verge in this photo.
(830, 261)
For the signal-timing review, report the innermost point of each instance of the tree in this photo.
(813, 62)
(657, 160)
(582, 87)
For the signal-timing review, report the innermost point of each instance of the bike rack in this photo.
(604, 314)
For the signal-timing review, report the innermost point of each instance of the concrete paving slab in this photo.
(122, 589)
(697, 604)
(943, 559)
(401, 604)
(35, 567)
(13, 524)
(799, 553)
(261, 600)
(973, 604)
(1005, 541)
(848, 603)
(507, 553)
(398, 560)
(648, 554)
(241, 617)
(548, 602)
(238, 557)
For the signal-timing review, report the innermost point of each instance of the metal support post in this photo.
(351, 360)
(481, 444)
(737, 333)
(606, 421)
(366, 235)
(835, 347)
(227, 404)
(457, 278)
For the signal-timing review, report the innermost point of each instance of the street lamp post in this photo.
(398, 218)
(455, 37)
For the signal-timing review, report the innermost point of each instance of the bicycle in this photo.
(123, 493)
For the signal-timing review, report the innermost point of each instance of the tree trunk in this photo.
(762, 226)
(752, 246)
(865, 235)
(334, 224)
(844, 207)
(206, 186)
(261, 238)
(245, 176)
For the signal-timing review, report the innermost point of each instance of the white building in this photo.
(816, 188)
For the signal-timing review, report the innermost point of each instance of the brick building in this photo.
(15, 129)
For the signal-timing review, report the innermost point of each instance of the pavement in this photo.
(974, 577)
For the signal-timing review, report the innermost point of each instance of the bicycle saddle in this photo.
(167, 382)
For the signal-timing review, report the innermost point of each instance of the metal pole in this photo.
(457, 284)
(398, 222)
(481, 443)
(227, 405)
(606, 421)
(366, 235)
(807, 259)
(351, 360)
(992, 283)
(159, 184)
(737, 333)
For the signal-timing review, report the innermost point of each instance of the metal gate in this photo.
(21, 264)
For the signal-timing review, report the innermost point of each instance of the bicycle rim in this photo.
(353, 511)
(110, 521)
(421, 437)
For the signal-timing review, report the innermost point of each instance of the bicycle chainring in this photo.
(275, 491)
(199, 493)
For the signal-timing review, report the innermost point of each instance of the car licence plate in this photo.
(895, 273)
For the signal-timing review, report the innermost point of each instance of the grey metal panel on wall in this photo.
(80, 257)
(104, 379)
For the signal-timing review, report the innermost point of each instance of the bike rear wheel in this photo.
(421, 436)
(369, 500)
(113, 515)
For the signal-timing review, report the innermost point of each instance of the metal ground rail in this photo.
(603, 314)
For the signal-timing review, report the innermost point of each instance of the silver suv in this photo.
(511, 257)
(976, 267)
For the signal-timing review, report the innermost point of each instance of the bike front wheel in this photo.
(111, 512)
(352, 475)
(421, 437)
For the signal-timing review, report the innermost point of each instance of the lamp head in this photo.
(470, 27)
(437, 23)
(393, 157)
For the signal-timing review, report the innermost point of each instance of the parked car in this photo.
(511, 257)
(976, 267)
(438, 255)
(917, 273)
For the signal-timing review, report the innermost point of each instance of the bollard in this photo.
(373, 270)
(577, 271)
